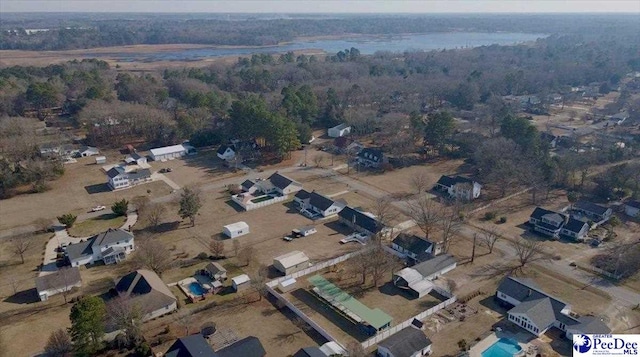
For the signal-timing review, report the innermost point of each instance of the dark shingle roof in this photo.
(135, 175)
(247, 184)
(146, 287)
(360, 219)
(449, 181)
(302, 194)
(62, 278)
(110, 236)
(590, 207)
(412, 243)
(222, 149)
(539, 311)
(634, 204)
(113, 172)
(190, 346)
(434, 265)
(319, 201)
(371, 154)
(574, 225)
(280, 181)
(539, 212)
(406, 342)
(309, 352)
(590, 325)
(247, 347)
(523, 289)
(75, 251)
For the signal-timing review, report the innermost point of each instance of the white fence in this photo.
(312, 269)
(393, 330)
(251, 206)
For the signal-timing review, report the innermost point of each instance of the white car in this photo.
(98, 208)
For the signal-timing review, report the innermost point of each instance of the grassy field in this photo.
(96, 225)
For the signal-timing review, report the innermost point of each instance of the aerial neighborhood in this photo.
(189, 185)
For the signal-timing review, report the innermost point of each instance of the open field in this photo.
(13, 273)
(96, 225)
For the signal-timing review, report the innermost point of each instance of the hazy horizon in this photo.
(324, 7)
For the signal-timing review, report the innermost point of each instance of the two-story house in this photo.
(416, 248)
(317, 204)
(119, 178)
(226, 152)
(555, 224)
(111, 246)
(536, 311)
(595, 212)
(371, 157)
(459, 187)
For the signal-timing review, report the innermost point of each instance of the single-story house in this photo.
(197, 346)
(459, 187)
(595, 212)
(145, 289)
(310, 352)
(171, 152)
(86, 151)
(536, 311)
(237, 229)
(415, 247)
(118, 177)
(291, 262)
(417, 279)
(632, 208)
(216, 271)
(553, 224)
(408, 342)
(226, 152)
(361, 222)
(304, 231)
(101, 159)
(111, 246)
(317, 203)
(371, 157)
(136, 159)
(280, 184)
(247, 347)
(241, 282)
(339, 130)
(58, 282)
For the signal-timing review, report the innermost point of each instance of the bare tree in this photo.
(528, 250)
(236, 247)
(385, 213)
(59, 344)
(355, 349)
(140, 203)
(259, 279)
(360, 265)
(185, 320)
(489, 238)
(381, 262)
(425, 213)
(126, 314)
(419, 181)
(451, 286)
(152, 254)
(63, 279)
(318, 160)
(216, 247)
(155, 213)
(42, 224)
(20, 245)
(450, 226)
(246, 255)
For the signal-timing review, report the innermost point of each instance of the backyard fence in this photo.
(600, 271)
(395, 329)
(312, 269)
(251, 206)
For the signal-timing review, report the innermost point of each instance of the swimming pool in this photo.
(196, 289)
(504, 347)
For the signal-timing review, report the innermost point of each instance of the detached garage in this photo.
(236, 229)
(170, 152)
(291, 262)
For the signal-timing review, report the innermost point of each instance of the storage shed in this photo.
(240, 282)
(101, 159)
(236, 229)
(291, 262)
(287, 285)
(339, 130)
(168, 152)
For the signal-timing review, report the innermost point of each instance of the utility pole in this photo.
(473, 251)
(305, 156)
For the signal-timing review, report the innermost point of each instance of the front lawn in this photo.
(96, 225)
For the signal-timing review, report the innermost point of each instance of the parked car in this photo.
(287, 238)
(169, 169)
(98, 208)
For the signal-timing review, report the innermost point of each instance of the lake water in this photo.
(366, 45)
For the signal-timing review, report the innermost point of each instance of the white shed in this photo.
(339, 130)
(287, 285)
(101, 159)
(168, 152)
(240, 282)
(236, 229)
(291, 262)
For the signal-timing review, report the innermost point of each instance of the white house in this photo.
(88, 151)
(215, 271)
(632, 208)
(241, 282)
(144, 288)
(280, 184)
(58, 282)
(304, 231)
(554, 224)
(459, 187)
(136, 158)
(317, 204)
(226, 152)
(237, 229)
(118, 177)
(417, 279)
(416, 248)
(371, 157)
(111, 246)
(536, 311)
(171, 152)
(339, 130)
(291, 262)
(408, 342)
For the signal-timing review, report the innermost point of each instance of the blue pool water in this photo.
(504, 347)
(196, 289)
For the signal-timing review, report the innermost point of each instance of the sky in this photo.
(323, 6)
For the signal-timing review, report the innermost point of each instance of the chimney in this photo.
(529, 293)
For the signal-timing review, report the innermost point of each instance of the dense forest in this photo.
(76, 31)
(280, 98)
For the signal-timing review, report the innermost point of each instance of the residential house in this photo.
(88, 151)
(318, 204)
(575, 229)
(136, 159)
(60, 281)
(339, 130)
(247, 347)
(536, 311)
(361, 222)
(291, 262)
(190, 346)
(619, 118)
(53, 150)
(418, 278)
(215, 271)
(595, 212)
(111, 246)
(550, 139)
(171, 152)
(632, 208)
(415, 248)
(145, 289)
(310, 352)
(118, 177)
(371, 157)
(459, 187)
(280, 184)
(226, 152)
(408, 342)
(248, 186)
(547, 222)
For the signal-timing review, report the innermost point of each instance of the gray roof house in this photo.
(371, 157)
(459, 187)
(553, 224)
(119, 177)
(88, 151)
(147, 290)
(280, 184)
(111, 246)
(632, 208)
(414, 247)
(593, 211)
(58, 282)
(360, 221)
(408, 342)
(417, 279)
(536, 311)
(317, 204)
(197, 346)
